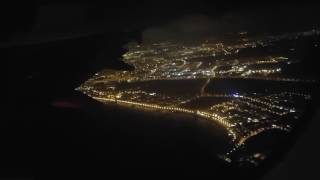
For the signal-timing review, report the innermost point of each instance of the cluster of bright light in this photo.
(242, 115)
(210, 116)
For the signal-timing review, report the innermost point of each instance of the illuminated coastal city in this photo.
(244, 83)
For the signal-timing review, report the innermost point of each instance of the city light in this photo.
(177, 78)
